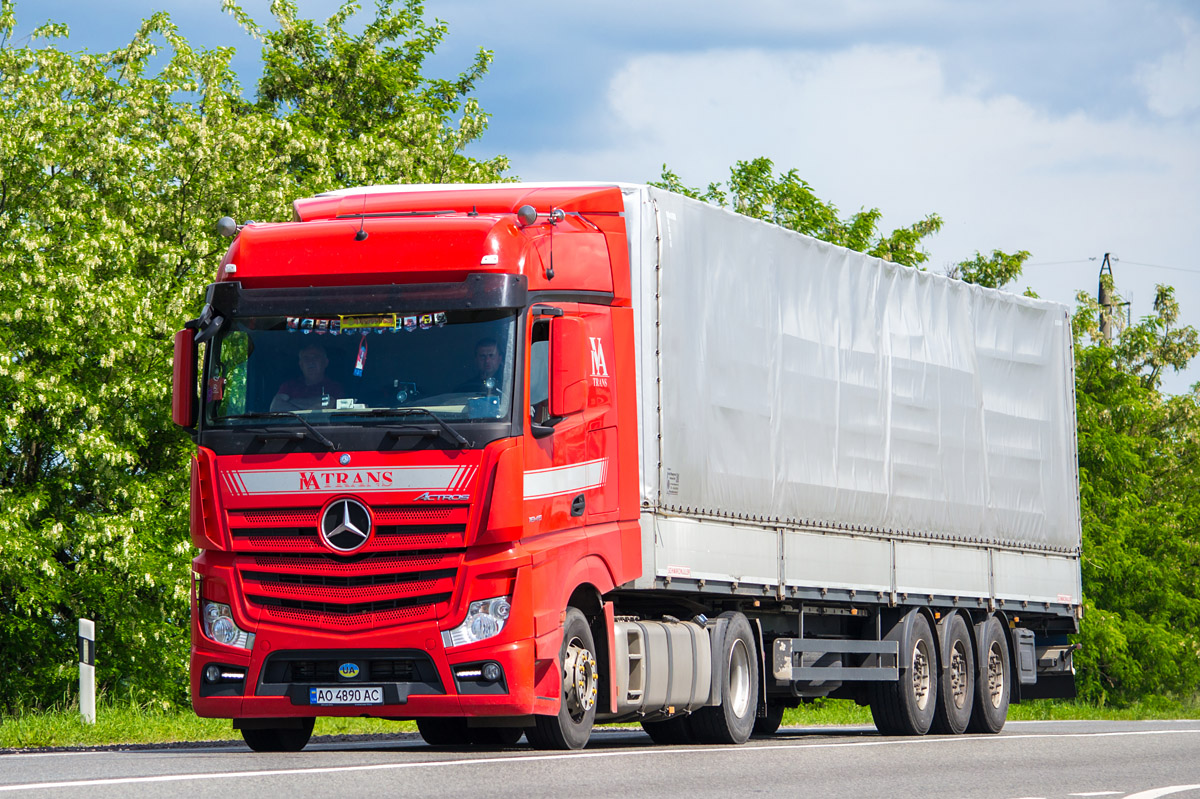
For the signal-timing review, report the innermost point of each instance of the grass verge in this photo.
(130, 723)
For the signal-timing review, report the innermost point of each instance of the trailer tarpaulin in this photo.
(784, 379)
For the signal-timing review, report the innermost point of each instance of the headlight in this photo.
(485, 619)
(219, 626)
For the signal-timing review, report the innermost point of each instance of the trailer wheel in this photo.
(732, 721)
(769, 724)
(280, 739)
(572, 727)
(905, 707)
(992, 683)
(439, 731)
(956, 681)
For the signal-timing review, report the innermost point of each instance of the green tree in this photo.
(111, 178)
(1139, 464)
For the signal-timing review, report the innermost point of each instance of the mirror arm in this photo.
(543, 429)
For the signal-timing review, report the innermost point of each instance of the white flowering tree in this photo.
(112, 175)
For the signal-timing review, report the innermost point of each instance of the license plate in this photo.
(358, 695)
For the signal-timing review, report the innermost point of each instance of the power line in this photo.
(1160, 266)
(1059, 263)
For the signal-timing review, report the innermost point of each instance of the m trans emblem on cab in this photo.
(599, 366)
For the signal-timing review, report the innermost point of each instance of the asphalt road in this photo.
(1053, 760)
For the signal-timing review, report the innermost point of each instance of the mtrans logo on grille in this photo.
(311, 481)
(427, 497)
(452, 479)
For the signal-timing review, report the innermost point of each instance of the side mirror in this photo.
(568, 382)
(184, 400)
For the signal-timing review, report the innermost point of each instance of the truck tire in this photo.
(905, 707)
(992, 682)
(768, 725)
(732, 721)
(670, 732)
(956, 679)
(280, 739)
(438, 731)
(572, 727)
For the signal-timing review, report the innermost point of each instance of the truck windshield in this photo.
(357, 369)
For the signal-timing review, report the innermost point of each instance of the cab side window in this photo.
(539, 372)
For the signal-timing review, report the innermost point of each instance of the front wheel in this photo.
(280, 739)
(572, 727)
(732, 721)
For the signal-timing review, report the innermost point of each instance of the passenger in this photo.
(313, 390)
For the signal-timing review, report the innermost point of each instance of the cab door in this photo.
(559, 474)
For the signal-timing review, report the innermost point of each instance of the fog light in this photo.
(212, 673)
(491, 672)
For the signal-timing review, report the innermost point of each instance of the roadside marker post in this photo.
(87, 670)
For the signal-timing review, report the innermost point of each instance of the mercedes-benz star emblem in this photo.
(346, 525)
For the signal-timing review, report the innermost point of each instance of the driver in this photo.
(487, 368)
(313, 390)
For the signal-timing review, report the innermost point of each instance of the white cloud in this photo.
(1172, 83)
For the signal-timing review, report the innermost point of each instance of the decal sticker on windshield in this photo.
(410, 323)
(382, 321)
(362, 356)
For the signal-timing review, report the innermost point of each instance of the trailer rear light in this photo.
(485, 619)
(220, 627)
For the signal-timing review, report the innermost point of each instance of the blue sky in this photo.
(1067, 128)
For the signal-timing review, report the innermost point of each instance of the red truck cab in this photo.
(412, 426)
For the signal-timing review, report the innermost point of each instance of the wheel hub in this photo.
(995, 675)
(580, 678)
(920, 675)
(958, 675)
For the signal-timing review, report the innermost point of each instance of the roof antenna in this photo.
(361, 235)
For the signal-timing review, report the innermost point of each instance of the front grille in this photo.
(405, 573)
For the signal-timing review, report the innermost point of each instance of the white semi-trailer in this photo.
(876, 465)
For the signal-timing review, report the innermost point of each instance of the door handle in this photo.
(578, 505)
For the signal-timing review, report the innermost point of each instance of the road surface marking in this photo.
(491, 761)
(1154, 793)
(1097, 793)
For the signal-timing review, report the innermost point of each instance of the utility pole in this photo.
(1104, 297)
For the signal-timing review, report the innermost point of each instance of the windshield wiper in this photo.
(314, 432)
(450, 431)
